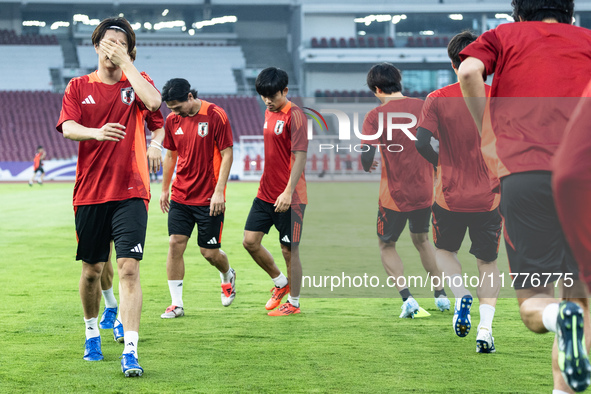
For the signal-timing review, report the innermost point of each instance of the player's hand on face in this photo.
(154, 159)
(111, 132)
(115, 51)
(374, 165)
(283, 202)
(165, 201)
(217, 205)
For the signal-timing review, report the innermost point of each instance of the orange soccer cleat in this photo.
(285, 310)
(278, 294)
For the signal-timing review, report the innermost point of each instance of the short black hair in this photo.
(39, 147)
(457, 44)
(118, 24)
(270, 81)
(386, 77)
(538, 10)
(177, 89)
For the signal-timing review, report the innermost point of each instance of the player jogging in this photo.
(545, 59)
(199, 142)
(281, 197)
(463, 200)
(103, 111)
(38, 166)
(406, 186)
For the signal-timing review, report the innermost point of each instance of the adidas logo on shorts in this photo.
(286, 239)
(137, 249)
(212, 241)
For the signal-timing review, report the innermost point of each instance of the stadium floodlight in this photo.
(191, 32)
(136, 26)
(121, 14)
(84, 19)
(427, 33)
(165, 12)
(169, 25)
(34, 23)
(215, 21)
(398, 18)
(456, 17)
(504, 16)
(373, 18)
(361, 33)
(147, 25)
(57, 25)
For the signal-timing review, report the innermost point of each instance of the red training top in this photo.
(198, 140)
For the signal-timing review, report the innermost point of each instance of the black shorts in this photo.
(289, 224)
(121, 221)
(449, 229)
(182, 219)
(39, 169)
(391, 223)
(533, 235)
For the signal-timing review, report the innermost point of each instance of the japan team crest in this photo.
(127, 95)
(203, 129)
(279, 127)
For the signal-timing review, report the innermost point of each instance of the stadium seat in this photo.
(419, 42)
(315, 42)
(436, 41)
(361, 42)
(333, 42)
(323, 43)
(428, 41)
(371, 42)
(445, 41)
(390, 42)
(410, 42)
(381, 42)
(342, 43)
(352, 43)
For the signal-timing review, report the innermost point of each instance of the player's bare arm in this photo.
(472, 84)
(109, 132)
(218, 205)
(117, 53)
(167, 169)
(155, 150)
(283, 202)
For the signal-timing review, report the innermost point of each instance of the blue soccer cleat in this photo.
(442, 303)
(108, 318)
(409, 308)
(462, 321)
(118, 332)
(92, 349)
(572, 354)
(130, 366)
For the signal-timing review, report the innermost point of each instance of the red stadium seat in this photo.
(315, 42)
(342, 43)
(333, 42)
(323, 43)
(361, 42)
(381, 42)
(371, 42)
(352, 43)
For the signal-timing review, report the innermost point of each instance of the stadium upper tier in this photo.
(27, 67)
(28, 119)
(208, 68)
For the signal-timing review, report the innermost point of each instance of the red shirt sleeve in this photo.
(168, 141)
(138, 101)
(370, 127)
(297, 129)
(70, 105)
(155, 120)
(429, 118)
(486, 48)
(222, 131)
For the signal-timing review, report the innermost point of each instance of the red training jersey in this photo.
(534, 64)
(154, 120)
(107, 170)
(463, 180)
(284, 133)
(198, 141)
(37, 162)
(407, 178)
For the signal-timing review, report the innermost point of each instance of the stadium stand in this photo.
(208, 68)
(28, 119)
(378, 42)
(9, 37)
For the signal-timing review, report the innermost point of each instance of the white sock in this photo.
(558, 392)
(131, 338)
(456, 284)
(92, 330)
(280, 281)
(487, 313)
(295, 301)
(176, 292)
(110, 300)
(549, 317)
(227, 277)
(118, 320)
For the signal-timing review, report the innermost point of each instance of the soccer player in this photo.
(463, 200)
(110, 319)
(103, 110)
(199, 142)
(406, 186)
(546, 59)
(38, 165)
(281, 198)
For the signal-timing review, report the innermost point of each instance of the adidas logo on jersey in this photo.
(212, 241)
(89, 100)
(137, 249)
(286, 239)
(179, 131)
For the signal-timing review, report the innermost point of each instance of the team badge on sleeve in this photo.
(127, 95)
(203, 129)
(279, 127)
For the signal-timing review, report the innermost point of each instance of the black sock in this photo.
(440, 293)
(405, 293)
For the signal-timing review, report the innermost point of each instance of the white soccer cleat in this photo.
(485, 343)
(409, 308)
(172, 312)
(442, 303)
(229, 290)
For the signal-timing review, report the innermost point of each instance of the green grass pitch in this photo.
(350, 340)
